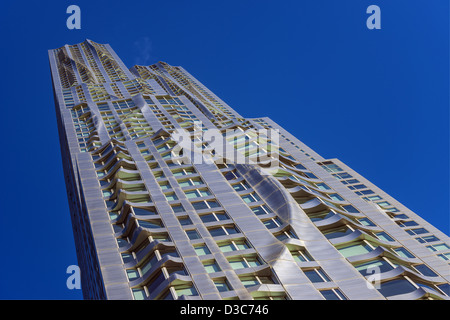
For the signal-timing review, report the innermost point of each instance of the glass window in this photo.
(127, 257)
(171, 196)
(425, 270)
(445, 288)
(202, 250)
(211, 267)
(253, 261)
(322, 186)
(222, 285)
(438, 247)
(270, 224)
(261, 210)
(316, 275)
(144, 211)
(249, 281)
(301, 256)
(337, 232)
(132, 274)
(138, 294)
(408, 224)
(417, 231)
(384, 236)
(354, 250)
(373, 266)
(396, 287)
(248, 198)
(336, 197)
(238, 264)
(177, 208)
(149, 264)
(333, 294)
(350, 208)
(427, 239)
(215, 232)
(184, 221)
(402, 252)
(165, 185)
(366, 222)
(192, 234)
(185, 290)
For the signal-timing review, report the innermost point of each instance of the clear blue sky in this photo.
(376, 99)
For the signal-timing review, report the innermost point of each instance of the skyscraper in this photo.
(174, 195)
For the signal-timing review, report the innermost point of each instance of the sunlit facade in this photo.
(150, 223)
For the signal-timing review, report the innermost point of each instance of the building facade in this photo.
(161, 211)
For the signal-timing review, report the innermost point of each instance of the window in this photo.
(241, 186)
(251, 197)
(208, 204)
(316, 275)
(222, 285)
(357, 187)
(444, 256)
(438, 247)
(127, 257)
(445, 288)
(185, 221)
(331, 167)
(187, 290)
(144, 211)
(344, 175)
(384, 236)
(272, 223)
(197, 193)
(356, 249)
(417, 231)
(427, 239)
(192, 234)
(183, 172)
(202, 250)
(333, 294)
(165, 185)
(366, 222)
(301, 255)
(396, 287)
(138, 294)
(231, 175)
(425, 270)
(190, 182)
(244, 262)
(337, 232)
(286, 234)
(374, 266)
(223, 230)
(350, 208)
(151, 224)
(148, 264)
(261, 210)
(402, 252)
(322, 186)
(233, 245)
(211, 266)
(410, 223)
(336, 197)
(372, 198)
(249, 281)
(132, 274)
(171, 196)
(215, 216)
(177, 208)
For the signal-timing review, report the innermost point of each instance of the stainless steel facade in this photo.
(149, 227)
